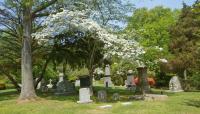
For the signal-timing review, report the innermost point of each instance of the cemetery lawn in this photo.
(177, 103)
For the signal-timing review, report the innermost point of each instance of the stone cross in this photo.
(50, 84)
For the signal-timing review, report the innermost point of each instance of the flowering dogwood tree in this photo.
(67, 20)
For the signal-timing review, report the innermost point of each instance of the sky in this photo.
(174, 4)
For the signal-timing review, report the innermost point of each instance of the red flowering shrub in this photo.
(151, 81)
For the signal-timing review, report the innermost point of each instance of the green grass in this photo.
(177, 103)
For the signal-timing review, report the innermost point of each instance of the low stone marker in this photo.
(116, 97)
(155, 97)
(105, 106)
(126, 103)
(77, 83)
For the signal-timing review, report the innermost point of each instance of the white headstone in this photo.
(84, 95)
(77, 83)
(175, 85)
(61, 77)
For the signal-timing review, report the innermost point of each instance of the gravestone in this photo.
(102, 96)
(130, 81)
(130, 78)
(126, 103)
(175, 85)
(64, 87)
(107, 78)
(105, 106)
(77, 83)
(116, 97)
(50, 85)
(43, 86)
(84, 95)
(143, 86)
(39, 84)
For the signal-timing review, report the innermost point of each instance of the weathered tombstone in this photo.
(130, 78)
(64, 87)
(84, 95)
(130, 81)
(175, 85)
(107, 78)
(116, 97)
(43, 86)
(77, 83)
(143, 82)
(102, 96)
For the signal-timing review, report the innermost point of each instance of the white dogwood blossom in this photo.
(66, 20)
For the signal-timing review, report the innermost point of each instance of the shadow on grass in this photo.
(51, 96)
(124, 94)
(194, 103)
(8, 94)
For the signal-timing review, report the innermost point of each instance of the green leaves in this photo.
(152, 27)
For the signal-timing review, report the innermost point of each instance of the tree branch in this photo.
(43, 6)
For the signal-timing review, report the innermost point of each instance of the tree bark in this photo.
(27, 90)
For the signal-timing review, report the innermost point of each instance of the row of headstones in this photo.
(84, 96)
(62, 87)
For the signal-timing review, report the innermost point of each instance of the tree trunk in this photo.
(27, 90)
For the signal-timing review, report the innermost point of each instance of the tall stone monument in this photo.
(107, 78)
(130, 84)
(143, 86)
